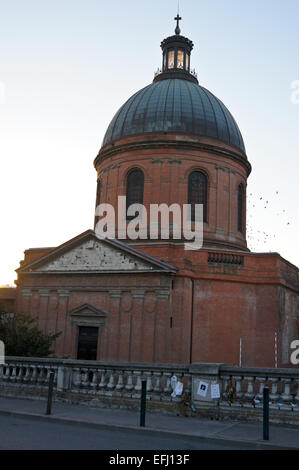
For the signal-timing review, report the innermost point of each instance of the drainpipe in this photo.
(191, 327)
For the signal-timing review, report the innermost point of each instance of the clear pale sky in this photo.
(66, 66)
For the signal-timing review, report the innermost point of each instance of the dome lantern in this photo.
(176, 57)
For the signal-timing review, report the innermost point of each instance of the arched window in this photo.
(171, 59)
(99, 187)
(197, 192)
(98, 201)
(135, 184)
(240, 208)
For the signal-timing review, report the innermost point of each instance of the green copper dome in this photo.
(175, 105)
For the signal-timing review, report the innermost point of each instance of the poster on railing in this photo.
(202, 389)
(215, 391)
(178, 390)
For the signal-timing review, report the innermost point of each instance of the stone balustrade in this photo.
(247, 384)
(125, 380)
(27, 373)
(95, 379)
(117, 384)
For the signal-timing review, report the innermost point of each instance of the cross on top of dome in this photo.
(177, 29)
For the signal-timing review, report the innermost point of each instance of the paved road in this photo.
(27, 434)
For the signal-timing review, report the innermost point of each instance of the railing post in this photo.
(50, 393)
(143, 403)
(266, 414)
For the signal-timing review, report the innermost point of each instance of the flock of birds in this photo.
(261, 239)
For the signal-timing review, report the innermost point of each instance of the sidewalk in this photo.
(281, 437)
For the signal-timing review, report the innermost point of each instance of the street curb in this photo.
(259, 445)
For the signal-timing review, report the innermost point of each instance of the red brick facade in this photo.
(197, 313)
(165, 304)
(137, 327)
(167, 161)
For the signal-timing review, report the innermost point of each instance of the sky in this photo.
(66, 66)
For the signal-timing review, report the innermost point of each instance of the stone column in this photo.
(43, 309)
(136, 326)
(68, 328)
(52, 312)
(161, 352)
(114, 325)
(34, 307)
(125, 326)
(148, 327)
(26, 301)
(61, 322)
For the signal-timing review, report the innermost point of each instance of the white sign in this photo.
(202, 389)
(178, 389)
(173, 381)
(215, 391)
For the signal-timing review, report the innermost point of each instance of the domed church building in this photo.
(150, 299)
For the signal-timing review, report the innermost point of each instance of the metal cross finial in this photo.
(178, 19)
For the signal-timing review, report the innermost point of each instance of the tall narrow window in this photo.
(171, 59)
(180, 62)
(98, 199)
(240, 208)
(135, 184)
(164, 61)
(197, 193)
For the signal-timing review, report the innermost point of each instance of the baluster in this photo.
(286, 395)
(274, 395)
(34, 374)
(55, 370)
(238, 388)
(27, 374)
(47, 379)
(111, 385)
(129, 385)
(85, 382)
(94, 381)
(40, 370)
(225, 384)
(138, 385)
(120, 382)
(149, 386)
(7, 373)
(250, 393)
(157, 387)
(167, 389)
(45, 375)
(260, 393)
(14, 374)
(20, 374)
(102, 383)
(76, 377)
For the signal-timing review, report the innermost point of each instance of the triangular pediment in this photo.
(91, 253)
(87, 315)
(87, 310)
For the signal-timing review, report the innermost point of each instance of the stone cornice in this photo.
(178, 145)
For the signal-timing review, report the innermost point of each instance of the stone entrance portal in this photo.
(87, 343)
